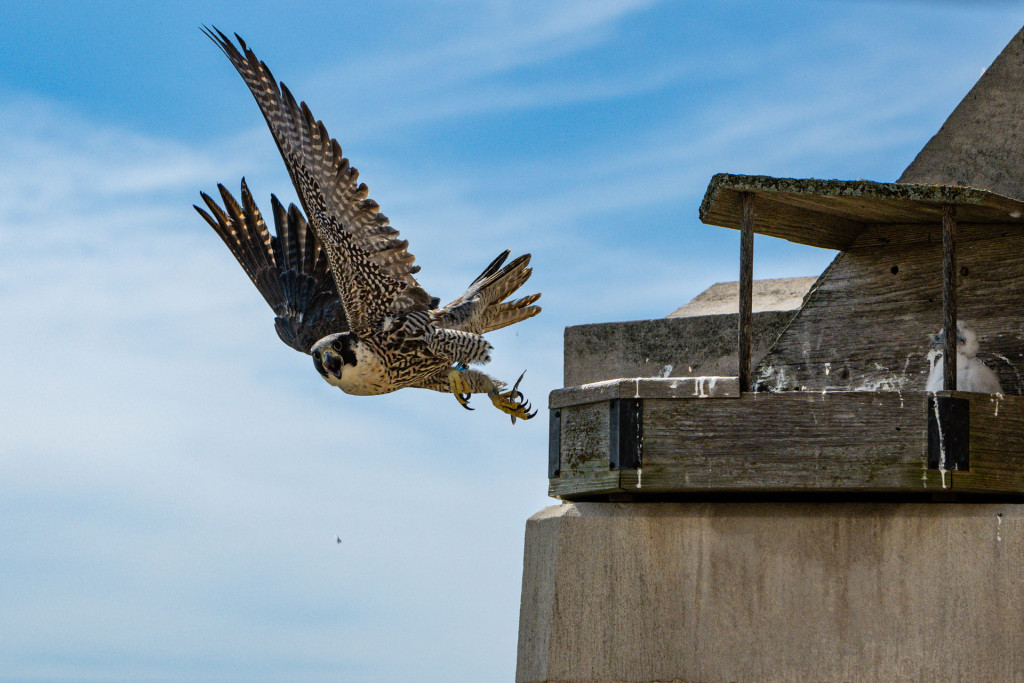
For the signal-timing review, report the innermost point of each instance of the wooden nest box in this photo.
(838, 404)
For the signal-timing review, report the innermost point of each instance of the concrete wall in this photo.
(722, 592)
(667, 347)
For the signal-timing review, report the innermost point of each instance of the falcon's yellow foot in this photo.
(512, 402)
(459, 386)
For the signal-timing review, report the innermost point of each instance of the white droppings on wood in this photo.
(998, 398)
(640, 477)
(828, 368)
(999, 526)
(942, 444)
(666, 371)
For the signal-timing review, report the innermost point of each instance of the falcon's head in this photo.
(332, 353)
(966, 340)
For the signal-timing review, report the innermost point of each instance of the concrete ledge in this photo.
(717, 592)
(665, 347)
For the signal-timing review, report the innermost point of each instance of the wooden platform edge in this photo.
(646, 387)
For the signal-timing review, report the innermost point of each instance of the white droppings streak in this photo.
(998, 398)
(828, 368)
(999, 526)
(666, 371)
(932, 356)
(942, 445)
(640, 477)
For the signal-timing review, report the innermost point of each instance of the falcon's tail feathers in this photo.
(492, 287)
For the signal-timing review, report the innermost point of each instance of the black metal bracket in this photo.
(625, 433)
(555, 444)
(949, 433)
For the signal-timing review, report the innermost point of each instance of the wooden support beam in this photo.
(625, 433)
(555, 444)
(949, 296)
(746, 288)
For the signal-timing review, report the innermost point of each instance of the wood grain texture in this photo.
(840, 442)
(867, 324)
(585, 450)
(997, 445)
(646, 387)
(746, 288)
(872, 442)
(949, 297)
(832, 213)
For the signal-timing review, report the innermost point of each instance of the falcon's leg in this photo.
(463, 382)
(458, 346)
(459, 386)
(512, 402)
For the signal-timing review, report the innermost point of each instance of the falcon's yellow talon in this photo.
(459, 387)
(512, 402)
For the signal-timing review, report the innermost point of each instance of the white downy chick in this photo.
(971, 373)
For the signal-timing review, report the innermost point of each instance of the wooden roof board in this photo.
(832, 213)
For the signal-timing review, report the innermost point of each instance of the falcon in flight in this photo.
(339, 279)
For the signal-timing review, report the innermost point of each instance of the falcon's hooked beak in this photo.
(328, 363)
(332, 353)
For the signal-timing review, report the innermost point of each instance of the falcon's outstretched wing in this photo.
(371, 266)
(290, 268)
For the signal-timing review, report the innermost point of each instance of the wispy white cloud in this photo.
(168, 462)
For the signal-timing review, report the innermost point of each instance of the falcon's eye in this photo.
(316, 355)
(336, 346)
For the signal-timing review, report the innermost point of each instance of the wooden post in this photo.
(746, 288)
(949, 296)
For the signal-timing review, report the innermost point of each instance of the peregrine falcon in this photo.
(971, 373)
(341, 285)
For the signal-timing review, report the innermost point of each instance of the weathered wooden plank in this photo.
(832, 213)
(585, 450)
(867, 323)
(746, 288)
(850, 441)
(788, 222)
(949, 297)
(864, 442)
(905, 234)
(646, 387)
(997, 445)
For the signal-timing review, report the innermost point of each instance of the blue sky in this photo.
(172, 477)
